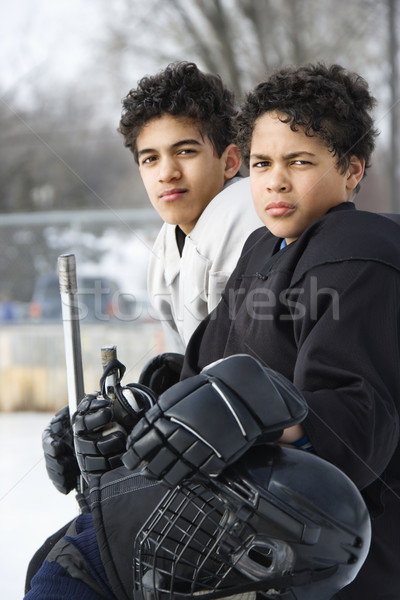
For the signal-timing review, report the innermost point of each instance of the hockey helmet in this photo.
(282, 523)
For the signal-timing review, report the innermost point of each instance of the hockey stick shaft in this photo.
(71, 326)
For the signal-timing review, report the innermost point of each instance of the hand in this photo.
(162, 371)
(101, 426)
(205, 423)
(59, 454)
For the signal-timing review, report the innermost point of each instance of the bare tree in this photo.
(58, 154)
(243, 40)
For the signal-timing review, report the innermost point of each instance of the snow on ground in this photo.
(30, 507)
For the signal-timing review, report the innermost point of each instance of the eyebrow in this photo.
(289, 156)
(186, 142)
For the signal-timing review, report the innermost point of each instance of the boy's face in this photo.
(294, 178)
(180, 169)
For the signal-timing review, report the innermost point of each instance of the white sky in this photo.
(51, 36)
(48, 46)
(43, 33)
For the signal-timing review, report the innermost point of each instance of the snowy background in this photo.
(30, 507)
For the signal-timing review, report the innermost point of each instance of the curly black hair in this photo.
(181, 90)
(326, 101)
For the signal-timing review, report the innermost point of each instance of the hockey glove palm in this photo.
(162, 371)
(59, 454)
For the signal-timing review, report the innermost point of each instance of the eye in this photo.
(186, 151)
(261, 164)
(302, 162)
(148, 160)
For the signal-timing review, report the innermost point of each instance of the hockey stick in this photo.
(72, 336)
(71, 325)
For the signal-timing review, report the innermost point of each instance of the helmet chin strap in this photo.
(274, 584)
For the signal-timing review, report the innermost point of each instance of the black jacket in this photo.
(325, 312)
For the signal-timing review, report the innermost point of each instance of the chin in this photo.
(170, 217)
(275, 230)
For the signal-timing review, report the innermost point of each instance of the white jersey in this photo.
(185, 289)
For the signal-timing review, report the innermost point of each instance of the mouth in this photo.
(172, 194)
(279, 209)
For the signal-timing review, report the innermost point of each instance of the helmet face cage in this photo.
(195, 543)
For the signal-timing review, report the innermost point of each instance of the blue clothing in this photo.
(52, 582)
(55, 582)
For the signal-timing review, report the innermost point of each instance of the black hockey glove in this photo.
(58, 446)
(162, 371)
(205, 423)
(101, 426)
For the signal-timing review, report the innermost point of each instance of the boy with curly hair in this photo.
(316, 294)
(180, 126)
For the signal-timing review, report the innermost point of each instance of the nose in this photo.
(169, 170)
(277, 180)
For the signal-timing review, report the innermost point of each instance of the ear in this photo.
(232, 160)
(355, 172)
